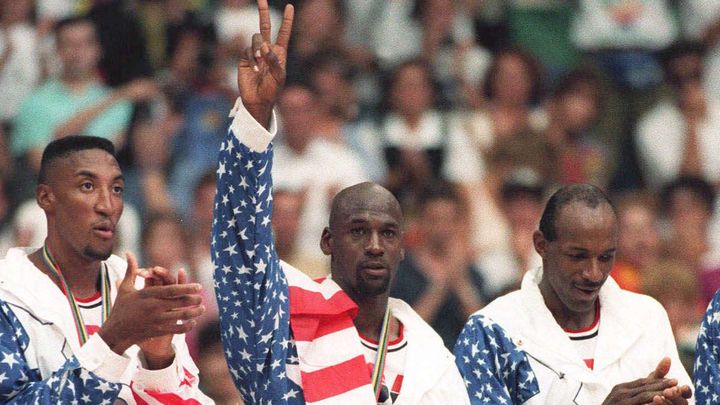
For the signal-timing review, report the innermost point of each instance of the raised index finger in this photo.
(286, 28)
(264, 19)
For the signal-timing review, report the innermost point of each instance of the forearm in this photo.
(251, 291)
(78, 122)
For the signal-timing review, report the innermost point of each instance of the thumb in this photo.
(131, 273)
(662, 368)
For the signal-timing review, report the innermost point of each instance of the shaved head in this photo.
(364, 240)
(364, 196)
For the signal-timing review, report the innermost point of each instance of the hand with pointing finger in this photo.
(151, 312)
(261, 71)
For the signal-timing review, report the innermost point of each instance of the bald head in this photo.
(362, 197)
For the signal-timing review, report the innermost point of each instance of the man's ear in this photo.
(325, 241)
(540, 243)
(45, 197)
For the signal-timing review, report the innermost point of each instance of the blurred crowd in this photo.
(470, 111)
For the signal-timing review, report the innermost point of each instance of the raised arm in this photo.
(251, 288)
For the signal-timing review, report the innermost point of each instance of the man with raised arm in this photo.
(74, 328)
(289, 339)
(588, 342)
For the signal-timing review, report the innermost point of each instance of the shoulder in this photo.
(637, 309)
(504, 306)
(413, 323)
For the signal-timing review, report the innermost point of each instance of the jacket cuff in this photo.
(250, 132)
(97, 357)
(167, 379)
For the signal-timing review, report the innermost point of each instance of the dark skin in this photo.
(82, 200)
(575, 265)
(261, 75)
(364, 242)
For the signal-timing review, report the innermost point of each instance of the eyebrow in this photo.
(92, 175)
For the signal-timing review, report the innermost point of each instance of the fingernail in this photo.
(258, 54)
(255, 68)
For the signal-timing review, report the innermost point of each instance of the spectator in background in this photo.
(679, 136)
(622, 38)
(437, 277)
(303, 161)
(521, 203)
(287, 211)
(638, 241)
(201, 224)
(701, 23)
(319, 27)
(216, 382)
(573, 110)
(414, 134)
(680, 302)
(203, 128)
(448, 43)
(124, 54)
(164, 242)
(19, 56)
(688, 204)
(511, 89)
(75, 103)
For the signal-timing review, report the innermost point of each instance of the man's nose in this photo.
(374, 246)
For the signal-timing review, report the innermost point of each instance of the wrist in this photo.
(115, 344)
(158, 360)
(261, 113)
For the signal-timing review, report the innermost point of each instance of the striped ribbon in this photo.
(77, 316)
(381, 354)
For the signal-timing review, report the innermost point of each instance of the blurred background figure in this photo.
(573, 110)
(521, 201)
(639, 248)
(677, 137)
(438, 278)
(680, 302)
(688, 206)
(287, 212)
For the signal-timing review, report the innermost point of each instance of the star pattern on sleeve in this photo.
(20, 384)
(494, 370)
(250, 285)
(707, 356)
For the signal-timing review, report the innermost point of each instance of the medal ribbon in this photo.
(381, 354)
(65, 287)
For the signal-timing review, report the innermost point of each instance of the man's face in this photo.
(85, 201)
(578, 262)
(78, 49)
(365, 245)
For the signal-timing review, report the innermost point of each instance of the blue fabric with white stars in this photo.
(707, 356)
(495, 371)
(250, 286)
(19, 384)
